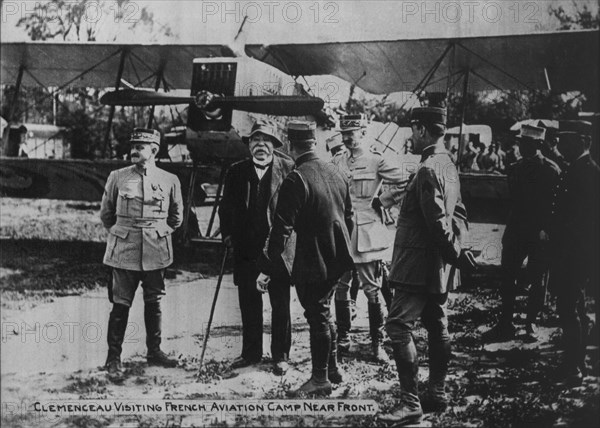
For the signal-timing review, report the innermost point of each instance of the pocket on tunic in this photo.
(115, 234)
(164, 242)
(372, 235)
(362, 183)
(123, 202)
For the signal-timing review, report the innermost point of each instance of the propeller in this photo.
(277, 105)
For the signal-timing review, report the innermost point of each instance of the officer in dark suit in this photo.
(531, 182)
(246, 212)
(315, 202)
(575, 250)
(427, 253)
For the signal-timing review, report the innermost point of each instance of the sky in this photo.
(268, 22)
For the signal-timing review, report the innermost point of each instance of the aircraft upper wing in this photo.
(566, 60)
(97, 64)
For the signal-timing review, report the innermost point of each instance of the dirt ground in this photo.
(54, 314)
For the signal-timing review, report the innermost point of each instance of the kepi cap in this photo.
(352, 122)
(145, 135)
(533, 133)
(582, 127)
(428, 116)
(569, 137)
(301, 130)
(264, 127)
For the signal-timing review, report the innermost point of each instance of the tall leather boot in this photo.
(376, 330)
(407, 364)
(343, 320)
(153, 321)
(318, 384)
(117, 324)
(334, 373)
(436, 399)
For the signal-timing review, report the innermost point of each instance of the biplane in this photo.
(228, 91)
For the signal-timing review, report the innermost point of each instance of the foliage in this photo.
(581, 17)
(79, 109)
(89, 20)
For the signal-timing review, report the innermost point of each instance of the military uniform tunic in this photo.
(141, 208)
(366, 172)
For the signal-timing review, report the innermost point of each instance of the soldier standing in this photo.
(574, 240)
(427, 253)
(366, 169)
(531, 182)
(314, 202)
(141, 208)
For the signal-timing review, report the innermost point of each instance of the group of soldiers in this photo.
(309, 222)
(554, 223)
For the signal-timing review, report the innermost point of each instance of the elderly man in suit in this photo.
(314, 202)
(141, 208)
(427, 253)
(246, 212)
(574, 239)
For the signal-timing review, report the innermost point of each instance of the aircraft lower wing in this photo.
(560, 61)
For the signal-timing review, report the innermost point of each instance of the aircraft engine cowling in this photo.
(211, 78)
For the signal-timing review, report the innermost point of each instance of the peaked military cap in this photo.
(144, 135)
(301, 130)
(569, 137)
(582, 127)
(352, 122)
(428, 116)
(530, 132)
(264, 127)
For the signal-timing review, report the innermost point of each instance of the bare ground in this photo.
(49, 285)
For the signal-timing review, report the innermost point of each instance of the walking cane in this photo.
(212, 309)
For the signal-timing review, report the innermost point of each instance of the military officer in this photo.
(574, 238)
(141, 208)
(366, 169)
(315, 203)
(531, 182)
(427, 252)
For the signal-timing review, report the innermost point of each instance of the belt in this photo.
(141, 223)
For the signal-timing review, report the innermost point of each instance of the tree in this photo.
(90, 20)
(79, 109)
(581, 17)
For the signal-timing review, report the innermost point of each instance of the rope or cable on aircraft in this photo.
(48, 95)
(425, 80)
(143, 62)
(83, 73)
(496, 67)
(447, 77)
(134, 70)
(497, 87)
(461, 74)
